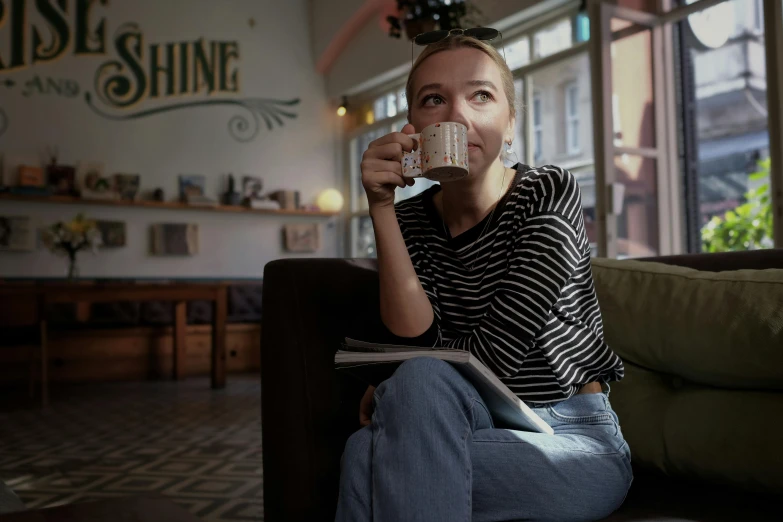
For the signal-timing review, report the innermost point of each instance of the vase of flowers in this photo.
(69, 238)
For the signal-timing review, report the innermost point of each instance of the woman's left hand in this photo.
(365, 407)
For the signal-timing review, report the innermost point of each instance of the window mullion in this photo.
(773, 37)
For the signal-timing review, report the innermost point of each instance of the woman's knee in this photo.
(356, 476)
(423, 370)
(358, 450)
(422, 381)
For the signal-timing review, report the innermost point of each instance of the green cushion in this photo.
(726, 436)
(721, 329)
(703, 354)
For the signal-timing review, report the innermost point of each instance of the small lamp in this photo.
(343, 108)
(330, 200)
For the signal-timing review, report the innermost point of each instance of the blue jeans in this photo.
(433, 454)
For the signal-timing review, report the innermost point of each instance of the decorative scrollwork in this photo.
(242, 127)
(114, 83)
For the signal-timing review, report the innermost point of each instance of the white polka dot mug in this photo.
(441, 155)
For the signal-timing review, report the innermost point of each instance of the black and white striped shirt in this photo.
(527, 309)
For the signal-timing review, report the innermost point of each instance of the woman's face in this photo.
(464, 85)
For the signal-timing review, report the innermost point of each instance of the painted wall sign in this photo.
(132, 72)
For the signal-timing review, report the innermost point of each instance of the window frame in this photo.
(773, 40)
(669, 184)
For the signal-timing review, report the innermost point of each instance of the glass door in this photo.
(634, 203)
(717, 152)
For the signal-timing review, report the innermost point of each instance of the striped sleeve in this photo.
(546, 252)
(431, 337)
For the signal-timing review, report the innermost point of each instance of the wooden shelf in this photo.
(170, 205)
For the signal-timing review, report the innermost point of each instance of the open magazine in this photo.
(374, 363)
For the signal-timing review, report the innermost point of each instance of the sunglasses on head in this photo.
(479, 33)
(485, 34)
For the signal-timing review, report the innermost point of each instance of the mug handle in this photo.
(411, 161)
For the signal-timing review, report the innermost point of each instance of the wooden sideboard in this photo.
(84, 293)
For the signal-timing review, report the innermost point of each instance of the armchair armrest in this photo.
(308, 410)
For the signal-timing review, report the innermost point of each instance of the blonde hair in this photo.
(461, 42)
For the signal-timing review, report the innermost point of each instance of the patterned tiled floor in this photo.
(199, 447)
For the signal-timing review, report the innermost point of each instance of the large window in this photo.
(730, 128)
(560, 133)
(684, 130)
(686, 164)
(561, 124)
(559, 108)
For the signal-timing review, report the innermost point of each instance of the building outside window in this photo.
(561, 125)
(517, 53)
(391, 105)
(538, 128)
(758, 17)
(379, 109)
(402, 102)
(731, 127)
(389, 114)
(572, 118)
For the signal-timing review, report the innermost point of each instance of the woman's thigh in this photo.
(582, 472)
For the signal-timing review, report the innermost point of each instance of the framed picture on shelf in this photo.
(17, 234)
(288, 199)
(190, 186)
(31, 176)
(302, 237)
(191, 191)
(94, 184)
(62, 179)
(11, 167)
(127, 186)
(251, 188)
(113, 233)
(174, 239)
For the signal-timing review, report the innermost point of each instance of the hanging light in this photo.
(343, 108)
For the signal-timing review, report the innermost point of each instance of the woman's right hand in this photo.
(365, 407)
(382, 167)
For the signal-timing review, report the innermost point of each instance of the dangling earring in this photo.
(509, 153)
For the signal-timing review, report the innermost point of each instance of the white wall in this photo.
(275, 61)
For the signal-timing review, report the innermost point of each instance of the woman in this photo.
(497, 263)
